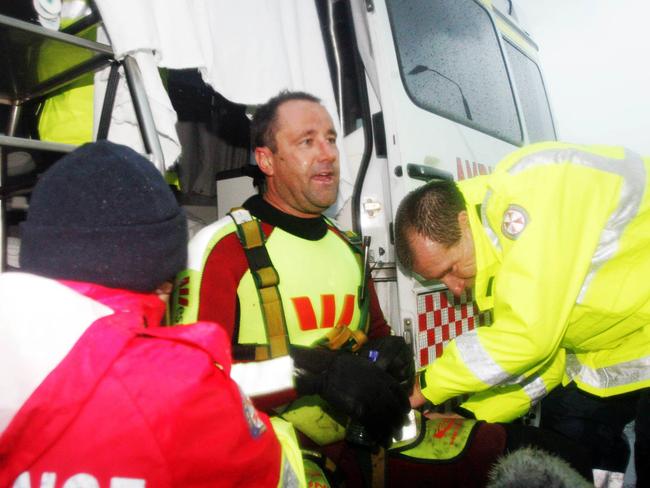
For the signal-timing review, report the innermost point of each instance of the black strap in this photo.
(109, 101)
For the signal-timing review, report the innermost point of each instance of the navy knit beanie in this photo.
(104, 214)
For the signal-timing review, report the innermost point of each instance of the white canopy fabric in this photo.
(247, 50)
(124, 126)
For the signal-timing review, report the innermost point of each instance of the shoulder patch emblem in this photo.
(515, 220)
(256, 425)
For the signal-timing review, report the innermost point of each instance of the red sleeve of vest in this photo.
(266, 403)
(222, 273)
(223, 270)
(378, 326)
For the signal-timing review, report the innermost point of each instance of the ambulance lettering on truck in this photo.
(466, 169)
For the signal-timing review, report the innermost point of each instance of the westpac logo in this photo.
(307, 316)
(183, 288)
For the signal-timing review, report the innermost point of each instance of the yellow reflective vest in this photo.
(67, 116)
(319, 287)
(562, 241)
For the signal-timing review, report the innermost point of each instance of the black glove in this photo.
(354, 386)
(393, 355)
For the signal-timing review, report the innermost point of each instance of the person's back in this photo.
(97, 393)
(142, 405)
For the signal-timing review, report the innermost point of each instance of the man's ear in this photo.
(264, 158)
(463, 219)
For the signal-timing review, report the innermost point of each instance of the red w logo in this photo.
(183, 291)
(307, 316)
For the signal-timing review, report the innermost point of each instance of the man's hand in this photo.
(417, 399)
(354, 386)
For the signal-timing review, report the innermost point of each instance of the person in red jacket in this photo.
(92, 392)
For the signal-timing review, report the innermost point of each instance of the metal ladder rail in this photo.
(103, 56)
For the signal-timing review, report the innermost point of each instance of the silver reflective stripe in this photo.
(572, 366)
(535, 388)
(289, 477)
(476, 358)
(479, 362)
(489, 372)
(632, 171)
(622, 374)
(492, 235)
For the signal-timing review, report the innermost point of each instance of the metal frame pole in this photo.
(12, 124)
(143, 111)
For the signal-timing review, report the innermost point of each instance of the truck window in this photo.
(344, 71)
(532, 95)
(451, 64)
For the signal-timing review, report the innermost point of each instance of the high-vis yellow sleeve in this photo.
(509, 402)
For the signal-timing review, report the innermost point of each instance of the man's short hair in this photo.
(431, 211)
(264, 126)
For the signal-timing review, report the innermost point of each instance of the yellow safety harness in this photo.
(266, 279)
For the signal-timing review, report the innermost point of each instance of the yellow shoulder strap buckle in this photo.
(343, 337)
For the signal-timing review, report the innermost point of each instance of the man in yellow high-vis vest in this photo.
(557, 242)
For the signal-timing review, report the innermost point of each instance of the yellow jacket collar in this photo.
(488, 260)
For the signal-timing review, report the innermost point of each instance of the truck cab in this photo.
(443, 90)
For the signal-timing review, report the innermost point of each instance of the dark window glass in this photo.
(341, 60)
(532, 95)
(451, 63)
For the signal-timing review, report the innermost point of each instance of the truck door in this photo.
(449, 111)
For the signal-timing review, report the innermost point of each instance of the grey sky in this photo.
(596, 60)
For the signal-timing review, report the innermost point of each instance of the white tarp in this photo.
(247, 50)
